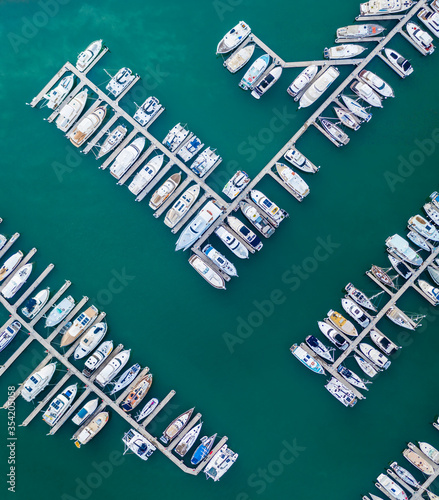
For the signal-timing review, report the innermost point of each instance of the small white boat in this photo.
(138, 444)
(220, 463)
(399, 61)
(340, 137)
(88, 126)
(120, 81)
(207, 272)
(383, 342)
(150, 406)
(165, 191)
(113, 368)
(355, 312)
(10, 264)
(90, 340)
(92, 428)
(400, 318)
(233, 38)
(307, 360)
(374, 355)
(245, 233)
(240, 58)
(276, 214)
(429, 290)
(430, 19)
(146, 174)
(190, 149)
(126, 378)
(359, 31)
(60, 405)
(347, 118)
(37, 382)
(56, 96)
(366, 93)
(405, 475)
(86, 411)
(261, 223)
(293, 181)
(86, 57)
(34, 305)
(367, 368)
(236, 184)
(434, 273)
(429, 451)
(423, 227)
(97, 358)
(432, 212)
(356, 108)
(232, 243)
(181, 207)
(188, 440)
(392, 488)
(175, 137)
(418, 240)
(80, 324)
(376, 83)
(205, 161)
(198, 225)
(114, 138)
(17, 281)
(70, 112)
(382, 7)
(318, 87)
(267, 82)
(421, 38)
(146, 112)
(218, 258)
(333, 335)
(300, 161)
(341, 392)
(400, 267)
(303, 80)
(127, 157)
(254, 73)
(8, 334)
(402, 249)
(343, 51)
(360, 298)
(60, 311)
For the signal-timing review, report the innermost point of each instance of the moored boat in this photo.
(244, 232)
(10, 264)
(175, 137)
(393, 489)
(138, 444)
(97, 358)
(232, 243)
(188, 440)
(400, 318)
(90, 340)
(400, 62)
(421, 38)
(382, 275)
(57, 95)
(359, 297)
(365, 92)
(333, 335)
(262, 224)
(418, 240)
(126, 378)
(347, 118)
(267, 82)
(60, 311)
(351, 377)
(233, 38)
(146, 174)
(376, 83)
(318, 87)
(87, 56)
(356, 108)
(367, 367)
(127, 157)
(341, 392)
(176, 426)
(355, 312)
(402, 249)
(70, 112)
(207, 272)
(276, 214)
(37, 382)
(293, 181)
(256, 70)
(86, 411)
(92, 428)
(222, 262)
(306, 359)
(240, 58)
(137, 394)
(79, 326)
(430, 19)
(113, 368)
(8, 334)
(150, 406)
(205, 161)
(429, 451)
(236, 184)
(343, 324)
(190, 149)
(429, 290)
(374, 355)
(120, 81)
(298, 160)
(418, 462)
(203, 449)
(423, 227)
(383, 342)
(34, 305)
(114, 138)
(405, 475)
(146, 112)
(302, 80)
(17, 280)
(87, 126)
(382, 7)
(180, 208)
(359, 31)
(434, 273)
(343, 51)
(220, 463)
(340, 137)
(400, 267)
(165, 191)
(431, 210)
(320, 348)
(60, 405)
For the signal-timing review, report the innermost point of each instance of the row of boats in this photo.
(423, 457)
(340, 331)
(88, 336)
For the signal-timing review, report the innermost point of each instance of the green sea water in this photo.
(294, 440)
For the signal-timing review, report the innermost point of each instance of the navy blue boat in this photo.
(203, 450)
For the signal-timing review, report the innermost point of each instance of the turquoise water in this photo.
(252, 391)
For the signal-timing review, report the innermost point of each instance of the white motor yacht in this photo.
(57, 95)
(113, 368)
(127, 157)
(303, 80)
(10, 264)
(17, 281)
(60, 311)
(34, 305)
(402, 249)
(381, 7)
(90, 340)
(86, 57)
(87, 126)
(8, 334)
(298, 160)
(207, 272)
(232, 243)
(181, 207)
(146, 174)
(376, 83)
(421, 38)
(399, 62)
(37, 382)
(293, 181)
(114, 138)
(318, 87)
(276, 214)
(233, 38)
(218, 258)
(430, 19)
(71, 111)
(240, 58)
(261, 223)
(343, 51)
(60, 405)
(267, 82)
(366, 93)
